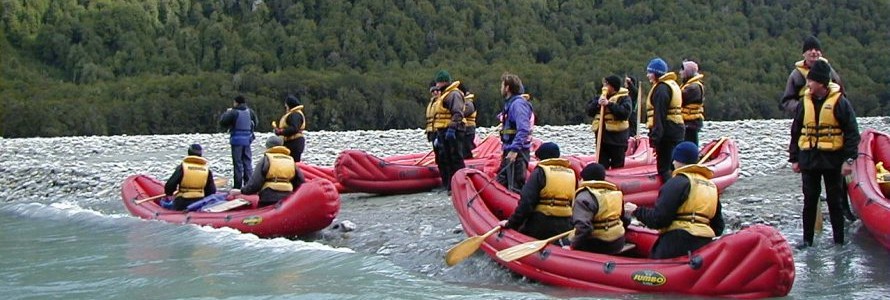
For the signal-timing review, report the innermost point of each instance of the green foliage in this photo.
(171, 66)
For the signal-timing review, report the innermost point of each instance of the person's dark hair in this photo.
(292, 101)
(513, 83)
(240, 99)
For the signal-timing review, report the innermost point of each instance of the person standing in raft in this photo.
(616, 127)
(598, 213)
(796, 86)
(241, 122)
(824, 143)
(664, 120)
(192, 179)
(431, 113)
(630, 84)
(276, 175)
(448, 122)
(545, 203)
(516, 124)
(693, 100)
(687, 211)
(469, 120)
(291, 127)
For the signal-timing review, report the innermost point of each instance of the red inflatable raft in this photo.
(866, 195)
(360, 171)
(311, 208)
(311, 172)
(755, 262)
(640, 184)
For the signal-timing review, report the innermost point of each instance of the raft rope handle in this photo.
(695, 262)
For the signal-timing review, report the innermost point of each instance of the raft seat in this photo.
(228, 205)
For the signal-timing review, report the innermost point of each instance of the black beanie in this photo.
(292, 101)
(240, 99)
(820, 72)
(811, 42)
(593, 171)
(195, 150)
(547, 150)
(614, 81)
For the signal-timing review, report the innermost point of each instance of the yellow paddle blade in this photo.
(221, 181)
(467, 247)
(523, 250)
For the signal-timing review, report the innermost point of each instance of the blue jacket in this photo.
(241, 122)
(516, 132)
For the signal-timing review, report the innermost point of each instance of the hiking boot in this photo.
(803, 245)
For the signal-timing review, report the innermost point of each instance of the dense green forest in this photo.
(106, 67)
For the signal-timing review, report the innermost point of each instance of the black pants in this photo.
(449, 157)
(663, 152)
(296, 148)
(180, 203)
(512, 174)
(542, 227)
(676, 243)
(812, 189)
(692, 135)
(270, 197)
(595, 245)
(469, 142)
(612, 156)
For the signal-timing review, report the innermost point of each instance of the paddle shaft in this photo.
(599, 134)
(525, 249)
(218, 181)
(639, 107)
(717, 145)
(140, 201)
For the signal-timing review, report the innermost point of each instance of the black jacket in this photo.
(826, 160)
(671, 195)
(663, 129)
(258, 178)
(622, 110)
(173, 183)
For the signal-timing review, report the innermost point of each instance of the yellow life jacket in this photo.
(612, 124)
(470, 120)
(826, 134)
(695, 214)
(282, 123)
(441, 114)
(557, 194)
(607, 225)
(694, 111)
(281, 169)
(194, 177)
(802, 67)
(674, 107)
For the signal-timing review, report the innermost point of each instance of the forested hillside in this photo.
(101, 67)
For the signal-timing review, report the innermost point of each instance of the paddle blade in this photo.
(521, 250)
(463, 250)
(467, 247)
(221, 181)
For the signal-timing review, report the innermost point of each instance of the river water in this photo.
(66, 234)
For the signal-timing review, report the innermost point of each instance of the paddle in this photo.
(639, 108)
(218, 181)
(140, 201)
(717, 145)
(523, 250)
(467, 247)
(599, 134)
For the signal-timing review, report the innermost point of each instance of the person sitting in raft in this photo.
(545, 203)
(687, 211)
(275, 176)
(598, 213)
(192, 179)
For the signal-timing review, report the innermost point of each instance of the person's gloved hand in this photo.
(279, 131)
(449, 134)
